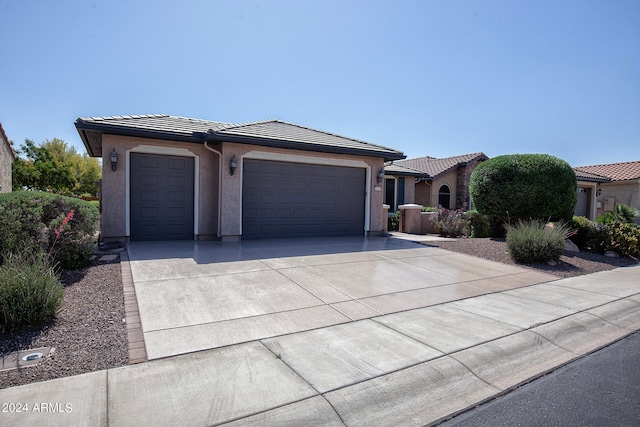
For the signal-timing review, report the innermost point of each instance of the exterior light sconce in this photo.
(599, 192)
(233, 164)
(114, 159)
(380, 175)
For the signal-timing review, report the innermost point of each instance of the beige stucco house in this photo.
(600, 187)
(166, 177)
(7, 156)
(429, 181)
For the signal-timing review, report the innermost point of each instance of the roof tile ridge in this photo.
(127, 117)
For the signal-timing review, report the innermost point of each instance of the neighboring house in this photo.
(437, 182)
(600, 187)
(181, 178)
(7, 156)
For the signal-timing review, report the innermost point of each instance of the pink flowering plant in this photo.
(448, 222)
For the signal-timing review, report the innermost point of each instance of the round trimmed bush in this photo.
(524, 186)
(586, 234)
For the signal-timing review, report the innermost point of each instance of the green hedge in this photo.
(524, 186)
(66, 228)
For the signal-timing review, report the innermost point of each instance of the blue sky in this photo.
(437, 78)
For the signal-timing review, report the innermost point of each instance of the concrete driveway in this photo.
(202, 295)
(334, 332)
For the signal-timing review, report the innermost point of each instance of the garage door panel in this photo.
(161, 205)
(307, 200)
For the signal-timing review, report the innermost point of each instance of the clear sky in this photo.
(436, 78)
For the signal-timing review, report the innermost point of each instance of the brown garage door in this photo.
(281, 199)
(161, 197)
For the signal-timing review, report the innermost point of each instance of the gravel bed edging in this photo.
(89, 333)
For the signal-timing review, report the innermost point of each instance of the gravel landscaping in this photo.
(89, 333)
(570, 264)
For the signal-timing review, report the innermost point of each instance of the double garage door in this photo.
(279, 199)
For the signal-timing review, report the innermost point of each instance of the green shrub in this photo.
(621, 213)
(394, 221)
(35, 218)
(622, 237)
(30, 291)
(524, 186)
(428, 209)
(586, 234)
(449, 222)
(534, 242)
(479, 225)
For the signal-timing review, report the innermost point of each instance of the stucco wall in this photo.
(625, 192)
(6, 158)
(423, 194)
(449, 179)
(229, 224)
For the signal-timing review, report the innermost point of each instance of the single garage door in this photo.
(281, 199)
(161, 197)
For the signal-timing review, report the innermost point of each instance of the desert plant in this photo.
(534, 242)
(621, 213)
(622, 237)
(35, 218)
(30, 291)
(524, 186)
(586, 234)
(449, 222)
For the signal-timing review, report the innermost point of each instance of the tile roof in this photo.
(614, 171)
(586, 176)
(398, 170)
(267, 133)
(437, 167)
(6, 141)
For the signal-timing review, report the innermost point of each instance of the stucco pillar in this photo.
(410, 218)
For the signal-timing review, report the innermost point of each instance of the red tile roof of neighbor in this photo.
(6, 140)
(436, 167)
(614, 171)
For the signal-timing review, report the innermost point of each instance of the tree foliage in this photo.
(56, 167)
(524, 186)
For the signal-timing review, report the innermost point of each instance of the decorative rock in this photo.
(570, 246)
(612, 254)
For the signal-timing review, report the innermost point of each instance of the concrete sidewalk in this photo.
(413, 363)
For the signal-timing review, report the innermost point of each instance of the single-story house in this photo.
(167, 177)
(436, 182)
(7, 156)
(600, 187)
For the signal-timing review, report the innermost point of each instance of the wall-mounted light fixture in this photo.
(599, 192)
(380, 175)
(114, 159)
(233, 164)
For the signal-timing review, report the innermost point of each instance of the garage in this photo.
(161, 192)
(281, 199)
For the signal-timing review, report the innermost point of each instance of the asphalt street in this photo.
(601, 389)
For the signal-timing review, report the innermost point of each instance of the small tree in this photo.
(524, 186)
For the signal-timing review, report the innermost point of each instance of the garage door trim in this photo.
(162, 151)
(325, 161)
